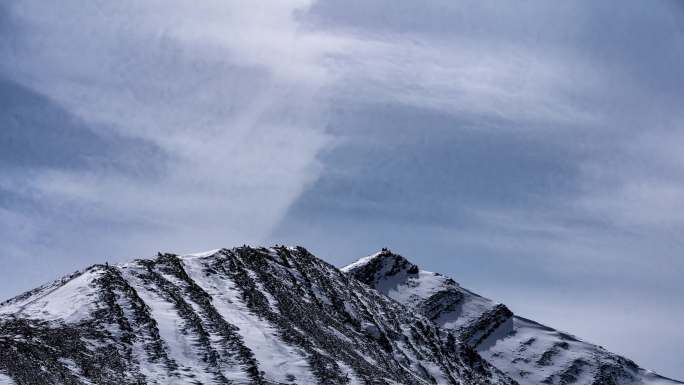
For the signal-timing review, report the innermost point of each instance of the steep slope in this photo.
(239, 316)
(526, 351)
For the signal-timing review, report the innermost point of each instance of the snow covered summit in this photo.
(232, 316)
(275, 316)
(528, 352)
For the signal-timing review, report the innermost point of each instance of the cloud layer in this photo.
(165, 124)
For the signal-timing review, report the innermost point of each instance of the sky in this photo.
(531, 150)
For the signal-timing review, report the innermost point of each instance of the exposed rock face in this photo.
(526, 351)
(239, 316)
(281, 316)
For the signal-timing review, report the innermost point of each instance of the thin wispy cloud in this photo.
(228, 94)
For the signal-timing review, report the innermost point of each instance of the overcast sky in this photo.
(532, 150)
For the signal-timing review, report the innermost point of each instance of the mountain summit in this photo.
(282, 316)
(240, 316)
(526, 351)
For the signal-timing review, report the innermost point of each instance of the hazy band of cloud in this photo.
(231, 94)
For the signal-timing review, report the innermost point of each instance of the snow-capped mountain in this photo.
(526, 351)
(240, 316)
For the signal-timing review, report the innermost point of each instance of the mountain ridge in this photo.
(276, 316)
(527, 351)
(234, 316)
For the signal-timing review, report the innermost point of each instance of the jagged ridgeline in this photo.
(238, 316)
(524, 350)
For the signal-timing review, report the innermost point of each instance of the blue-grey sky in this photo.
(532, 150)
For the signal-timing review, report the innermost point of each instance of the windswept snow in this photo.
(276, 358)
(5, 380)
(71, 301)
(360, 262)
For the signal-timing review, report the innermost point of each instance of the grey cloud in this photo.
(39, 133)
(419, 165)
(135, 127)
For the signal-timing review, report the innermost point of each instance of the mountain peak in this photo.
(432, 294)
(281, 316)
(528, 352)
(377, 266)
(246, 315)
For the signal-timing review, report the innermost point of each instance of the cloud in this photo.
(640, 183)
(495, 81)
(164, 124)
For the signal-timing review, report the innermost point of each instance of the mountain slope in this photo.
(239, 316)
(526, 351)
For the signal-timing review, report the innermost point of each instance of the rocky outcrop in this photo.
(526, 351)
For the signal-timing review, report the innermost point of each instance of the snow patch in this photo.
(71, 302)
(360, 262)
(275, 357)
(203, 254)
(6, 380)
